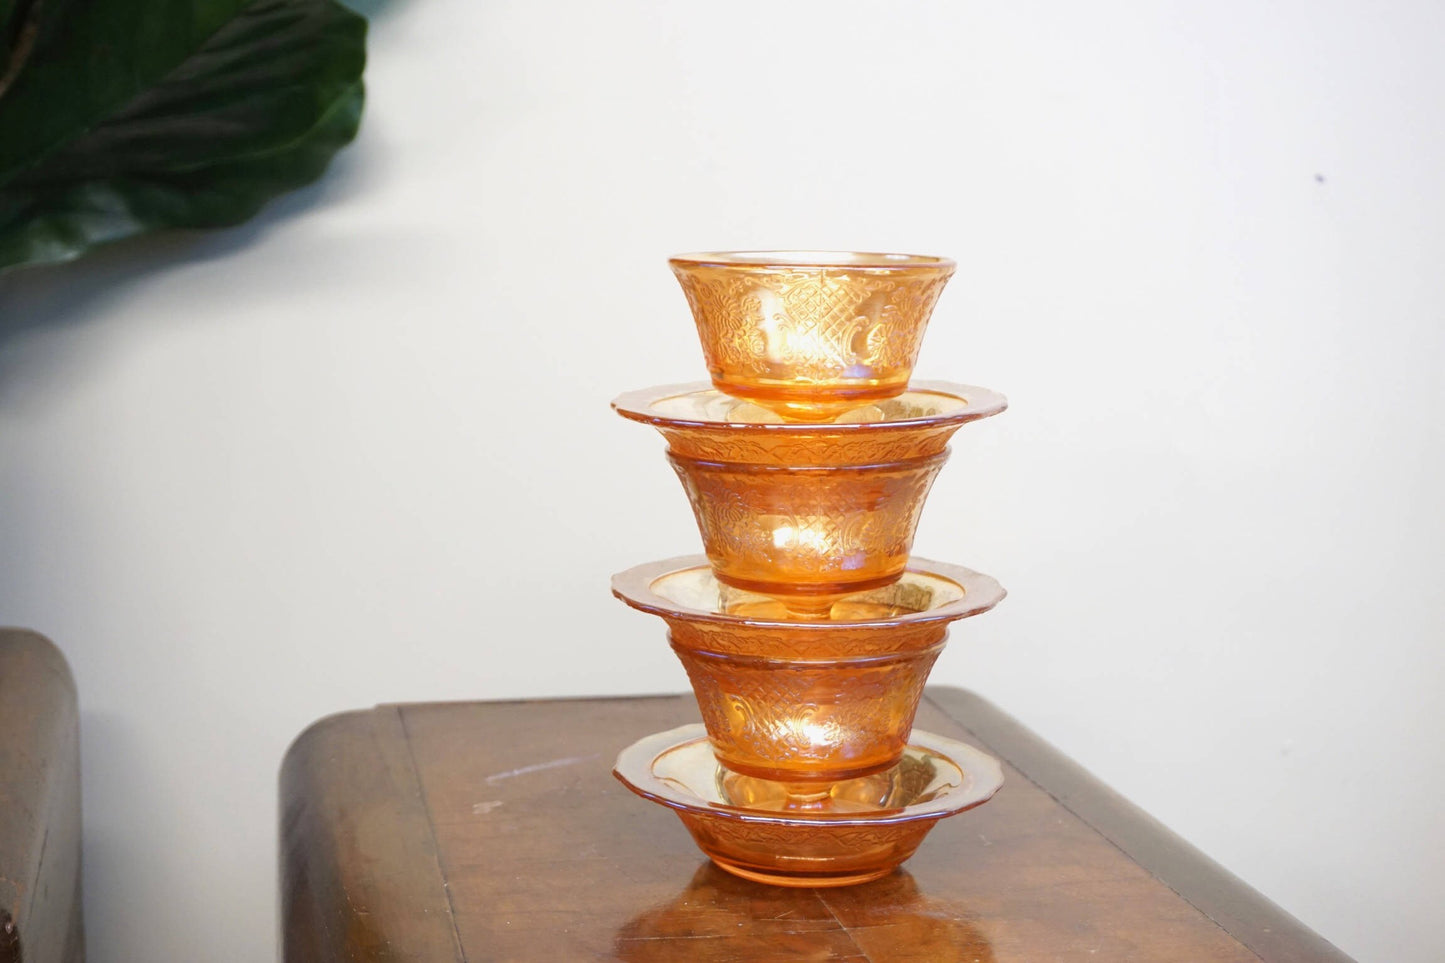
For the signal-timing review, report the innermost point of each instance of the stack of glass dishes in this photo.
(808, 630)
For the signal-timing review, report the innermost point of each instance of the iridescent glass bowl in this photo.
(813, 701)
(808, 511)
(810, 332)
(849, 831)
(807, 531)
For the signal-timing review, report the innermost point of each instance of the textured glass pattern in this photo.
(807, 632)
(826, 698)
(808, 720)
(812, 531)
(809, 332)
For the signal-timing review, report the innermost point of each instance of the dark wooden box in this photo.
(40, 910)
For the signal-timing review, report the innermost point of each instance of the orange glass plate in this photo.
(846, 832)
(704, 423)
(814, 700)
(809, 332)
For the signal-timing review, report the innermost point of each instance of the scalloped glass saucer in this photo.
(833, 834)
(701, 422)
(685, 590)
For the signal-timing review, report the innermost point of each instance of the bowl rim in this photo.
(783, 260)
(978, 402)
(867, 260)
(634, 587)
(983, 777)
(920, 463)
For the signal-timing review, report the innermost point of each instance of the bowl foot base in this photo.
(801, 882)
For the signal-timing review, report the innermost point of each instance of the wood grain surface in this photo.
(40, 892)
(495, 831)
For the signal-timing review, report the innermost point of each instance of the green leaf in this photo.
(193, 115)
(62, 221)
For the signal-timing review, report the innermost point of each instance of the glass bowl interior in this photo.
(937, 777)
(925, 404)
(687, 590)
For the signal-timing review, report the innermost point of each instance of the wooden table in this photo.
(495, 831)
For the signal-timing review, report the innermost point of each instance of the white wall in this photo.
(348, 453)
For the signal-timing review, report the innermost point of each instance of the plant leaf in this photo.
(252, 108)
(62, 221)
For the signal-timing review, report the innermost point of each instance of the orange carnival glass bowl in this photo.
(813, 701)
(808, 511)
(809, 531)
(811, 332)
(850, 831)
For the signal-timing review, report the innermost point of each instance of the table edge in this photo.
(331, 845)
